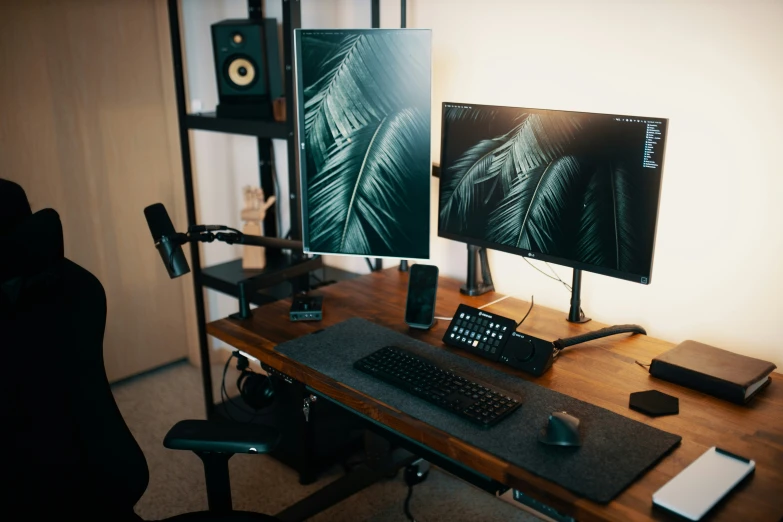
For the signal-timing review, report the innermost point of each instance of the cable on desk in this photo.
(414, 473)
(532, 302)
(562, 344)
(480, 308)
(493, 302)
(555, 277)
(407, 506)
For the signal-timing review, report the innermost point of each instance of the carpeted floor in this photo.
(154, 402)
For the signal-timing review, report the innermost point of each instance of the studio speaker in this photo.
(247, 66)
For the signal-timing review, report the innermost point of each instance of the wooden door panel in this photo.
(89, 129)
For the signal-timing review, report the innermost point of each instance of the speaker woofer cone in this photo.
(241, 71)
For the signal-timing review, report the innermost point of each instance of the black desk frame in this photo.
(405, 451)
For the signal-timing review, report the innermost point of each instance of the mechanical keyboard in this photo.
(473, 400)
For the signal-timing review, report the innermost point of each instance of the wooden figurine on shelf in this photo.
(253, 257)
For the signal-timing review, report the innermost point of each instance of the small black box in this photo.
(307, 308)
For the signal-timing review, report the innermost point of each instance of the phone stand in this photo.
(434, 323)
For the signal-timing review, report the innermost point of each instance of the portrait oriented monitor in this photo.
(363, 109)
(574, 188)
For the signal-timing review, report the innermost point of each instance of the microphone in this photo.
(167, 240)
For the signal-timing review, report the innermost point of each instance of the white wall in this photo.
(713, 68)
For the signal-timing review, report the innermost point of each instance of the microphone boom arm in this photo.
(234, 238)
(248, 287)
(261, 241)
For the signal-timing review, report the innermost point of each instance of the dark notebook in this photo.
(721, 373)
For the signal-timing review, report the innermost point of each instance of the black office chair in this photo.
(68, 453)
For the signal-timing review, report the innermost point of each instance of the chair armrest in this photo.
(221, 437)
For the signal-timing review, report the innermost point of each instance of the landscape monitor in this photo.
(363, 110)
(574, 188)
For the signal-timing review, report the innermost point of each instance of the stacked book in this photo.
(723, 374)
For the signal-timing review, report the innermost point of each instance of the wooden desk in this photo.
(602, 372)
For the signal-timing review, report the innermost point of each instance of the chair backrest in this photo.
(70, 452)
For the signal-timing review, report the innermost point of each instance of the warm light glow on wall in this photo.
(717, 75)
(712, 68)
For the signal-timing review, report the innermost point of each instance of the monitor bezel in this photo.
(530, 254)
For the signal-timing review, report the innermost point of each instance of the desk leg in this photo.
(361, 477)
(376, 449)
(308, 465)
(309, 473)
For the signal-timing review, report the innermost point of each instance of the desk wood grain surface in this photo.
(602, 372)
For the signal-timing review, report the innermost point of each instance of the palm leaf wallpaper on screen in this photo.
(365, 131)
(557, 183)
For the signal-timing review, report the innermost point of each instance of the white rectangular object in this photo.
(697, 488)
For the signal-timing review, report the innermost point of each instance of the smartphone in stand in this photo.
(422, 289)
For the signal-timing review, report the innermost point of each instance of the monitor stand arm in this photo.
(299, 265)
(575, 314)
(471, 286)
(248, 287)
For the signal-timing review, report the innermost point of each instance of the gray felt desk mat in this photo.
(615, 449)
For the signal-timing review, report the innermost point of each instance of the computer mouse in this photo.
(561, 430)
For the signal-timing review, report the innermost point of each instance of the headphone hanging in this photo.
(256, 390)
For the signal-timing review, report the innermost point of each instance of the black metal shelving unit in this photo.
(306, 452)
(225, 277)
(209, 121)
